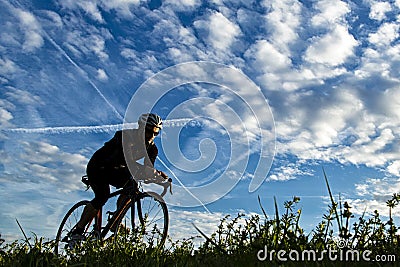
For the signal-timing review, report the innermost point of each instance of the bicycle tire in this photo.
(151, 225)
(68, 223)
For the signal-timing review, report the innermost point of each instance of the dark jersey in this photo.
(112, 153)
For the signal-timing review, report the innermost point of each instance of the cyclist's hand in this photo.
(162, 174)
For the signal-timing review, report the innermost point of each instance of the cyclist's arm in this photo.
(150, 158)
(162, 174)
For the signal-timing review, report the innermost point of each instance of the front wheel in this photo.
(64, 240)
(150, 226)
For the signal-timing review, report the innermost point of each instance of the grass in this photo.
(238, 241)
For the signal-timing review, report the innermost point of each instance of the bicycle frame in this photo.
(147, 208)
(131, 198)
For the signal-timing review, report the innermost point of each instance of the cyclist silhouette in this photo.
(108, 165)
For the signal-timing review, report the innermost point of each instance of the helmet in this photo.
(150, 119)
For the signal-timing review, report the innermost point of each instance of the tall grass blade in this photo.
(209, 239)
(334, 205)
(277, 223)
(22, 230)
(262, 208)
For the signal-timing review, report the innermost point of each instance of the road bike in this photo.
(150, 224)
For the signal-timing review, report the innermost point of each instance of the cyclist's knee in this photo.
(98, 202)
(120, 201)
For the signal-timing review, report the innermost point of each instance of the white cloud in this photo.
(333, 48)
(32, 30)
(379, 10)
(387, 33)
(7, 67)
(267, 58)
(221, 31)
(369, 153)
(331, 13)
(394, 168)
(23, 97)
(181, 223)
(287, 171)
(5, 117)
(375, 193)
(53, 17)
(389, 105)
(358, 206)
(93, 7)
(185, 36)
(128, 53)
(276, 58)
(181, 41)
(89, 7)
(122, 7)
(332, 117)
(42, 162)
(346, 125)
(88, 41)
(276, 68)
(102, 75)
(374, 63)
(180, 55)
(182, 5)
(283, 21)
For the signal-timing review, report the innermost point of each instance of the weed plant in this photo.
(236, 242)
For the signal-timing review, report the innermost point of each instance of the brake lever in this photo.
(165, 183)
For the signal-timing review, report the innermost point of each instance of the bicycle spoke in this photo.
(151, 222)
(154, 218)
(64, 241)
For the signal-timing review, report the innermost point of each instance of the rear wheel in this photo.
(64, 240)
(150, 226)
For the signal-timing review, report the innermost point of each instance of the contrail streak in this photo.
(99, 128)
(184, 187)
(68, 129)
(62, 51)
(83, 73)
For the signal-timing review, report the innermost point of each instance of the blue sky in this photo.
(307, 84)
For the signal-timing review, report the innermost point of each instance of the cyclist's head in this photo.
(150, 120)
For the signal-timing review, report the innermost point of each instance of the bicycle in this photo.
(151, 226)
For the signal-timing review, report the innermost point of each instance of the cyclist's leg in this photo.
(101, 192)
(120, 178)
(65, 240)
(121, 200)
(87, 215)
